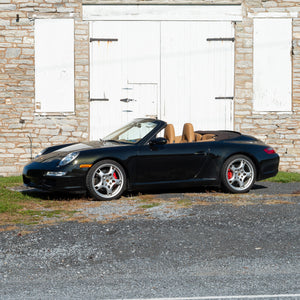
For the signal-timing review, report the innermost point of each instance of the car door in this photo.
(171, 162)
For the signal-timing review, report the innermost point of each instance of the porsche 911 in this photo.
(146, 154)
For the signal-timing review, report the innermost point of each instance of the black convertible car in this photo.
(146, 154)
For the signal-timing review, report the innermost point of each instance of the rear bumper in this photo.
(269, 168)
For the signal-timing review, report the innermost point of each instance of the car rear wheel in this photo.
(106, 180)
(238, 174)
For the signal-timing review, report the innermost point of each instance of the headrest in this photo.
(188, 134)
(170, 134)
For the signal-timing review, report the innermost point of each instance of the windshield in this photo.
(132, 132)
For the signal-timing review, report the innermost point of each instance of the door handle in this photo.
(201, 153)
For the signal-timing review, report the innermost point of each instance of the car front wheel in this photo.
(106, 180)
(238, 174)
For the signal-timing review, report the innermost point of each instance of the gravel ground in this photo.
(186, 245)
(180, 204)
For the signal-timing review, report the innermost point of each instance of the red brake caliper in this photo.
(115, 175)
(229, 174)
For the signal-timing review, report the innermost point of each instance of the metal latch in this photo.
(126, 100)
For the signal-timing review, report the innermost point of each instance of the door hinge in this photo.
(103, 40)
(99, 99)
(292, 51)
(221, 39)
(224, 98)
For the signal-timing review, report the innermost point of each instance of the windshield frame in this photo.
(159, 125)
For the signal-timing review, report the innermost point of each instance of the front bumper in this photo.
(35, 175)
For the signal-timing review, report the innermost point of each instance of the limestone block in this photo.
(49, 132)
(16, 151)
(7, 7)
(67, 128)
(28, 40)
(7, 145)
(76, 134)
(5, 170)
(58, 139)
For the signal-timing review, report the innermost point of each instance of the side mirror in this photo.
(158, 141)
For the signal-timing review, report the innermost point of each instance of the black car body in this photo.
(135, 157)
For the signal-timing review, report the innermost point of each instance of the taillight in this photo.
(269, 150)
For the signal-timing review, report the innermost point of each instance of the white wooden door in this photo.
(197, 74)
(125, 73)
(179, 71)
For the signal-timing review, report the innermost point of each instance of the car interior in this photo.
(191, 136)
(188, 135)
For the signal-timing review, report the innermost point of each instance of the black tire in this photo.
(106, 180)
(238, 174)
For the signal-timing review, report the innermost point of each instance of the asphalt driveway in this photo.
(166, 245)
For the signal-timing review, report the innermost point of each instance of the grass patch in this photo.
(285, 177)
(33, 208)
(151, 205)
(184, 202)
(41, 213)
(40, 208)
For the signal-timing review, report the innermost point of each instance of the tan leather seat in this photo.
(188, 135)
(208, 137)
(177, 139)
(170, 134)
(198, 137)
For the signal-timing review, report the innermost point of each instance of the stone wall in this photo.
(281, 130)
(20, 126)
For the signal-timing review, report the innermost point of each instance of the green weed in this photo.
(285, 177)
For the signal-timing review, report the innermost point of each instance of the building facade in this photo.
(73, 70)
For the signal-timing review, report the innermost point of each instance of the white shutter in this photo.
(54, 65)
(272, 64)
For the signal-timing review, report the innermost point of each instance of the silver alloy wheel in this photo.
(108, 180)
(240, 174)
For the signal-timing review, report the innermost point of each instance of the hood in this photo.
(80, 146)
(58, 152)
(67, 148)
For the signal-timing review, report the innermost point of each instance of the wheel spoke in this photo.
(109, 191)
(248, 174)
(240, 182)
(117, 181)
(99, 173)
(111, 171)
(233, 168)
(99, 186)
(232, 179)
(242, 165)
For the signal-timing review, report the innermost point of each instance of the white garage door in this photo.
(179, 71)
(197, 71)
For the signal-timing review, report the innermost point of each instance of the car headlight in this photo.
(67, 159)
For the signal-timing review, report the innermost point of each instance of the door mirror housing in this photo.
(158, 141)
